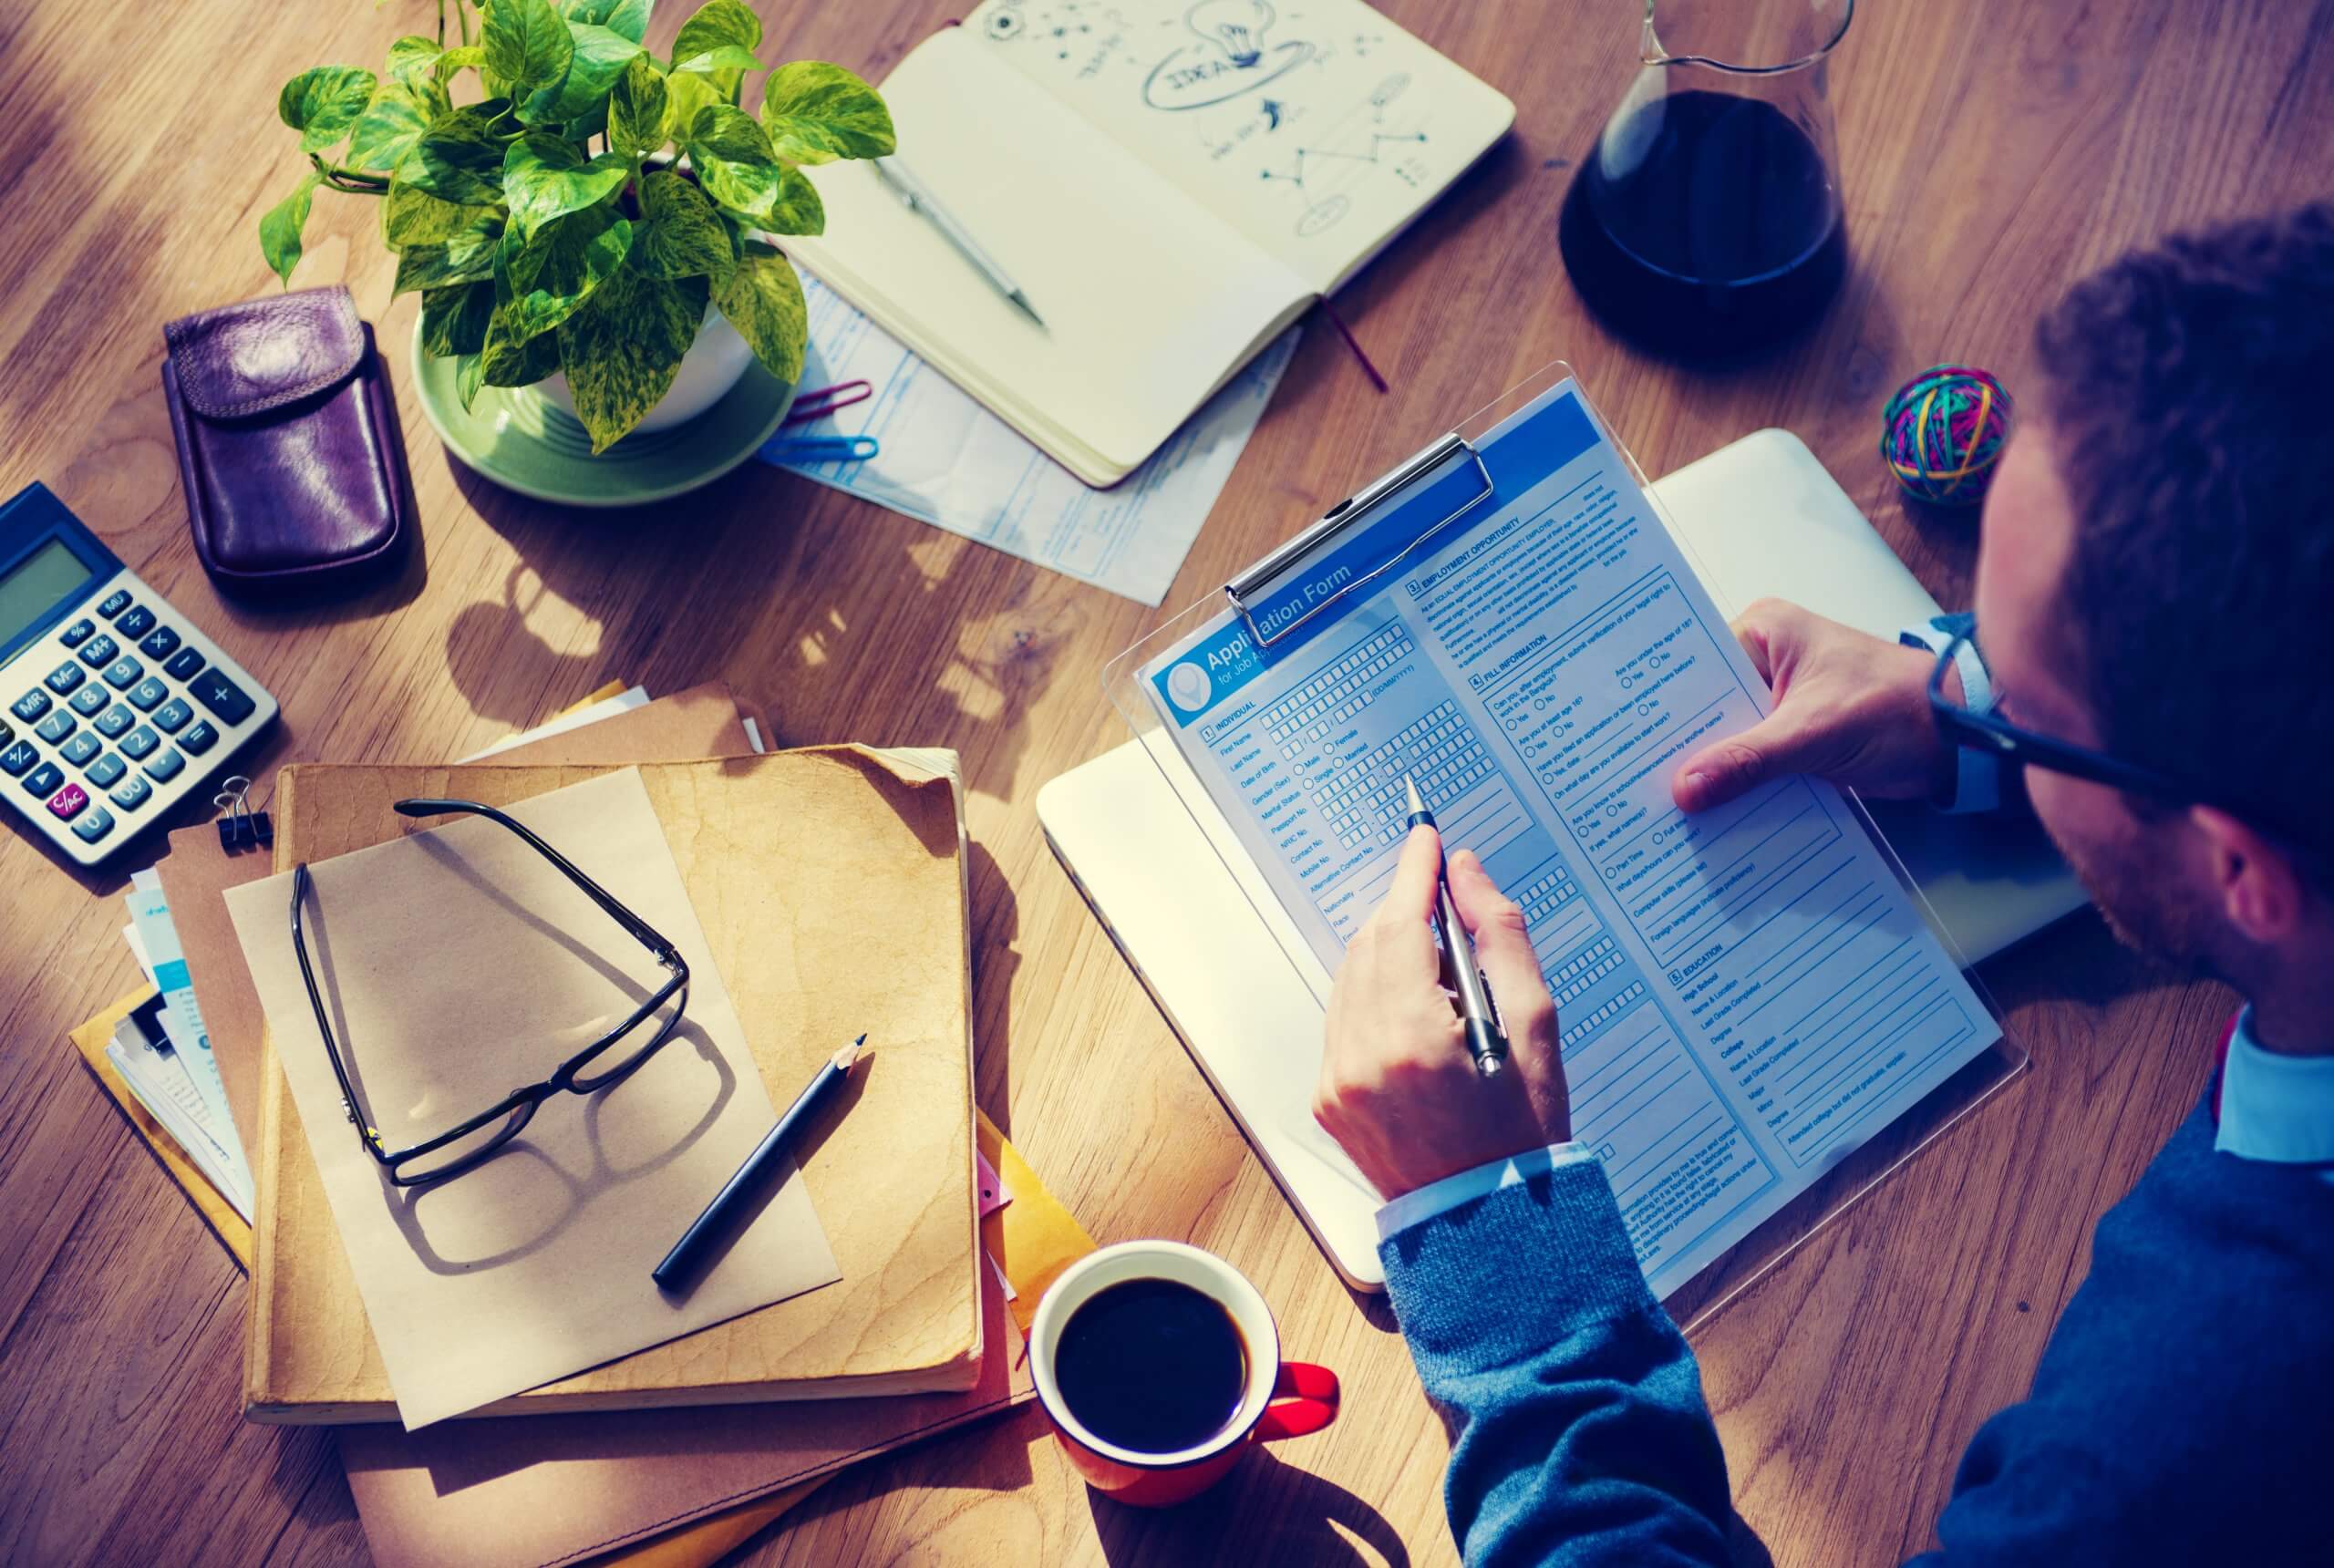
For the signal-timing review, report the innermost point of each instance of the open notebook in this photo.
(1170, 183)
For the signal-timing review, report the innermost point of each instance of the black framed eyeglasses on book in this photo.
(605, 1062)
(1995, 736)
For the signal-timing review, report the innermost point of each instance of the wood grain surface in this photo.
(1990, 154)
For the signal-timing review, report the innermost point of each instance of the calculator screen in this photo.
(33, 586)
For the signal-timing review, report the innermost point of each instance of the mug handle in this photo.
(1308, 1402)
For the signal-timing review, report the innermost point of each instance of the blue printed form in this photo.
(1744, 995)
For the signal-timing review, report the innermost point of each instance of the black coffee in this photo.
(1721, 233)
(1151, 1365)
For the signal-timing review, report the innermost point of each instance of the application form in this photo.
(1743, 995)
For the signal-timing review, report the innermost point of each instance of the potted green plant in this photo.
(593, 217)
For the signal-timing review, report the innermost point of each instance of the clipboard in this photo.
(1443, 496)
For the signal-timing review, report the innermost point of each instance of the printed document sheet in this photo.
(1743, 995)
(952, 463)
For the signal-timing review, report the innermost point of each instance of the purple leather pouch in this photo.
(289, 449)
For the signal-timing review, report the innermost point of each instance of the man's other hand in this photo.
(1398, 1090)
(1847, 706)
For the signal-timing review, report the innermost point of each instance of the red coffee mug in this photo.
(1283, 1398)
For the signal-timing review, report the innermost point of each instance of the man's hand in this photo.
(1848, 706)
(1398, 1089)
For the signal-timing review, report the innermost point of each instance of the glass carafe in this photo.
(1706, 221)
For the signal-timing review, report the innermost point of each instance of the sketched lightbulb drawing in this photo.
(1235, 26)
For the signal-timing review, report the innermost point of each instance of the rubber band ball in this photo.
(1943, 432)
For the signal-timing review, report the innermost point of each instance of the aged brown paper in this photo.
(457, 964)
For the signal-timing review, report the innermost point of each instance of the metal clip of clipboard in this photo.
(1339, 519)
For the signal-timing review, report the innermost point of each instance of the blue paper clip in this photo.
(821, 448)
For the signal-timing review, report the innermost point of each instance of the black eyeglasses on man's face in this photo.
(606, 1061)
(1997, 736)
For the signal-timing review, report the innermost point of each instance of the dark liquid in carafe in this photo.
(1721, 233)
(1153, 1366)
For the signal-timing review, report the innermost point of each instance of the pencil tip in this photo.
(850, 1054)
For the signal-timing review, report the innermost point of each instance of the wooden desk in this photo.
(1990, 154)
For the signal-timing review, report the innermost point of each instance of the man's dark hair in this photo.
(2187, 387)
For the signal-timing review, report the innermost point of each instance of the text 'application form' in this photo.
(1743, 995)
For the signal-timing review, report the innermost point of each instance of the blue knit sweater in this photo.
(2183, 1412)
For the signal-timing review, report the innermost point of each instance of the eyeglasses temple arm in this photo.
(639, 928)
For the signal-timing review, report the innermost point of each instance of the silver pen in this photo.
(1477, 1013)
(921, 202)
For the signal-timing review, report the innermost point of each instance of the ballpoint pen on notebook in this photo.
(743, 1193)
(1486, 1038)
(921, 202)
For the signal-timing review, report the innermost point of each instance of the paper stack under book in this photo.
(830, 888)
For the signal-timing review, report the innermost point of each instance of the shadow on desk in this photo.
(1265, 1511)
(869, 626)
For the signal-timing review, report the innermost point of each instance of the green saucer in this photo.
(514, 437)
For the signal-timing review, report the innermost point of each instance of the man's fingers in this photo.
(1776, 745)
(1410, 895)
(1756, 629)
(1396, 945)
(1503, 945)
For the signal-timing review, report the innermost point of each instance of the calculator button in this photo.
(43, 780)
(134, 792)
(182, 664)
(139, 742)
(148, 695)
(56, 727)
(19, 757)
(165, 765)
(124, 673)
(222, 696)
(95, 824)
(66, 803)
(172, 717)
(77, 751)
(104, 770)
(65, 678)
(98, 651)
(136, 622)
(198, 739)
(159, 644)
(90, 698)
(116, 603)
(114, 720)
(79, 631)
(30, 706)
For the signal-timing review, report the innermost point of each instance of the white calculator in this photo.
(117, 707)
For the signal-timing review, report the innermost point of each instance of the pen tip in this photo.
(1022, 300)
(1411, 785)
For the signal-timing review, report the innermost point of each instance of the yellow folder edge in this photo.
(1033, 1239)
(91, 1039)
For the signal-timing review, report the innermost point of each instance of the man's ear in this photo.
(2261, 891)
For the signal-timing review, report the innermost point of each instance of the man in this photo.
(2153, 585)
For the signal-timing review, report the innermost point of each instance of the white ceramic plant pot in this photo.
(708, 370)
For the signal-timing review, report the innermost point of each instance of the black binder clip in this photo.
(240, 827)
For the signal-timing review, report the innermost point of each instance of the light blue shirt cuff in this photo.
(1437, 1197)
(1978, 775)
